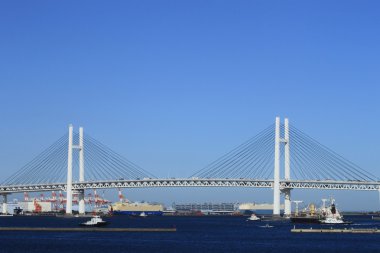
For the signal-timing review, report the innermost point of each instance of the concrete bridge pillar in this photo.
(288, 203)
(69, 186)
(276, 181)
(5, 204)
(287, 206)
(82, 208)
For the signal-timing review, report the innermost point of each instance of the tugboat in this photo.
(253, 218)
(95, 221)
(331, 215)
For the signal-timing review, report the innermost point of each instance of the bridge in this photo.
(264, 161)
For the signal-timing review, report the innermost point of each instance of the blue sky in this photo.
(172, 85)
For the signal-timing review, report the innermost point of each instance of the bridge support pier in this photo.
(82, 208)
(5, 204)
(276, 181)
(69, 186)
(288, 204)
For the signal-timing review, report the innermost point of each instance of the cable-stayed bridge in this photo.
(280, 157)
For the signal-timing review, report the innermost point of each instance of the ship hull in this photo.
(137, 213)
(99, 224)
(304, 219)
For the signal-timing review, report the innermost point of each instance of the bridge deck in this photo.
(197, 182)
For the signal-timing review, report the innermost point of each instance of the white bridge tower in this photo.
(276, 187)
(69, 187)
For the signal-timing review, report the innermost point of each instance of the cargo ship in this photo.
(309, 215)
(136, 208)
(324, 215)
(305, 219)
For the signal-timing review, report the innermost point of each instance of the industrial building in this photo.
(28, 207)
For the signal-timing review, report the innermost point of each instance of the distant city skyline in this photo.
(172, 86)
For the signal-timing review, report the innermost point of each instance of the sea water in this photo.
(194, 234)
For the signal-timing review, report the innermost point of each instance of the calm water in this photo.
(194, 234)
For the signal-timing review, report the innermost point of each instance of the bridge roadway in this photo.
(197, 182)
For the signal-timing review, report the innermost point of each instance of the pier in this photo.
(336, 230)
(82, 229)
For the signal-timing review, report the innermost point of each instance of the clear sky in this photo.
(172, 85)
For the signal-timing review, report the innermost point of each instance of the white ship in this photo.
(95, 221)
(330, 214)
(253, 217)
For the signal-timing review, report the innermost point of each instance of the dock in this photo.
(336, 230)
(82, 229)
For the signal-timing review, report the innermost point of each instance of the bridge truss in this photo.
(191, 182)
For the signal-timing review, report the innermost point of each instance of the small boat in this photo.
(143, 214)
(253, 218)
(266, 226)
(95, 221)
